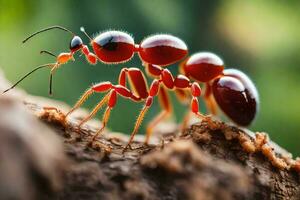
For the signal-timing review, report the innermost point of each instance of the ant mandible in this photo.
(232, 90)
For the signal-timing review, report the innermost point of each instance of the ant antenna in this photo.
(47, 29)
(50, 83)
(48, 52)
(51, 75)
(35, 69)
(83, 30)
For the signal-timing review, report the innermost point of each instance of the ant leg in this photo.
(148, 102)
(121, 89)
(196, 92)
(122, 82)
(112, 100)
(82, 99)
(122, 77)
(209, 100)
(138, 124)
(105, 118)
(165, 103)
(111, 103)
(137, 83)
(100, 87)
(95, 110)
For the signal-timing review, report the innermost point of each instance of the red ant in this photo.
(231, 89)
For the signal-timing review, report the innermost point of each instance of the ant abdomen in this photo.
(113, 46)
(237, 96)
(162, 49)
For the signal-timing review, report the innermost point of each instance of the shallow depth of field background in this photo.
(261, 38)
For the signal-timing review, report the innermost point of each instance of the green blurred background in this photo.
(262, 38)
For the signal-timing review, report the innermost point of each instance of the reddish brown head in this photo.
(203, 66)
(237, 96)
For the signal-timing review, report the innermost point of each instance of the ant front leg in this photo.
(112, 100)
(82, 99)
(104, 87)
(100, 87)
(121, 89)
(95, 110)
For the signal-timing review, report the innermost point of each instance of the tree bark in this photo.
(44, 157)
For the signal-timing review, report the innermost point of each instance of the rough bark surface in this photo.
(44, 157)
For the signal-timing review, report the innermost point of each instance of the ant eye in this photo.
(76, 43)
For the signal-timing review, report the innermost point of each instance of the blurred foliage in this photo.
(261, 38)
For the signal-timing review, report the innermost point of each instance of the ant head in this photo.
(76, 44)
